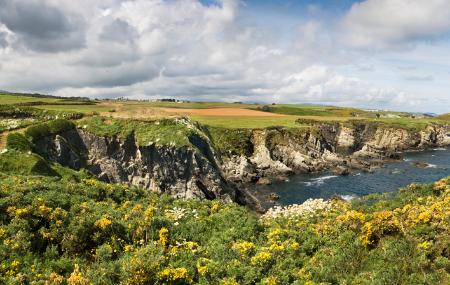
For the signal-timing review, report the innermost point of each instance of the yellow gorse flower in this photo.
(174, 275)
(77, 278)
(103, 223)
(164, 237)
(244, 247)
(261, 258)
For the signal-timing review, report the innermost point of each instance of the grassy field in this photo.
(246, 122)
(76, 108)
(287, 115)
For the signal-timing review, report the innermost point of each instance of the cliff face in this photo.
(202, 171)
(328, 146)
(184, 172)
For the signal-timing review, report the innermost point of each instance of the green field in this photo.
(247, 122)
(143, 110)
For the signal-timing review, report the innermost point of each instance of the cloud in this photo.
(321, 84)
(42, 27)
(183, 49)
(3, 41)
(118, 31)
(419, 78)
(382, 24)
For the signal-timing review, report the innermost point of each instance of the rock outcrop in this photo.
(201, 170)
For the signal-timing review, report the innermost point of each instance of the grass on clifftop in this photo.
(160, 132)
(17, 162)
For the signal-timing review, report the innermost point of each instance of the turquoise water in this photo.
(388, 178)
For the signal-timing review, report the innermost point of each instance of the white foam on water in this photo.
(348, 197)
(319, 181)
(439, 148)
(431, 166)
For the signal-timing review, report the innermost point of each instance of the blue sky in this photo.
(383, 54)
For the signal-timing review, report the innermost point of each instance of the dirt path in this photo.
(227, 112)
(3, 140)
(5, 134)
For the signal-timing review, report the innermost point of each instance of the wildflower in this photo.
(424, 245)
(215, 206)
(244, 247)
(148, 214)
(128, 248)
(164, 237)
(174, 275)
(103, 223)
(202, 266)
(351, 219)
(2, 233)
(270, 281)
(77, 278)
(55, 279)
(261, 258)
(176, 213)
(309, 207)
(44, 210)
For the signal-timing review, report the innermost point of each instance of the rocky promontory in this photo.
(209, 163)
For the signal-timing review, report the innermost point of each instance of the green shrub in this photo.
(18, 141)
(44, 129)
(37, 131)
(60, 125)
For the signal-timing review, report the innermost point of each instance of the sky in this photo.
(379, 54)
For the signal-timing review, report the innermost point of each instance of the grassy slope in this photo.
(118, 235)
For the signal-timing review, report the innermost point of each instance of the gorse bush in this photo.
(56, 231)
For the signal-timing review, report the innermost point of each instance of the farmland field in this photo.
(219, 114)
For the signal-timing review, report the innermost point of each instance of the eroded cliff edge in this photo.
(208, 163)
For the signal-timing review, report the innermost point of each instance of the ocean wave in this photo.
(439, 149)
(431, 166)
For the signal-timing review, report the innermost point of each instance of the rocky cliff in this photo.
(342, 147)
(204, 170)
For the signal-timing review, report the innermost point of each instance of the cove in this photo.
(389, 178)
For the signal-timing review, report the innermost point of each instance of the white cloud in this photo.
(380, 24)
(184, 49)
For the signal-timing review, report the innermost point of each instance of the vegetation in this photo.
(60, 226)
(13, 162)
(175, 132)
(52, 127)
(236, 141)
(81, 231)
(47, 107)
(17, 141)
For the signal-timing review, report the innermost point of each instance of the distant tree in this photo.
(266, 108)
